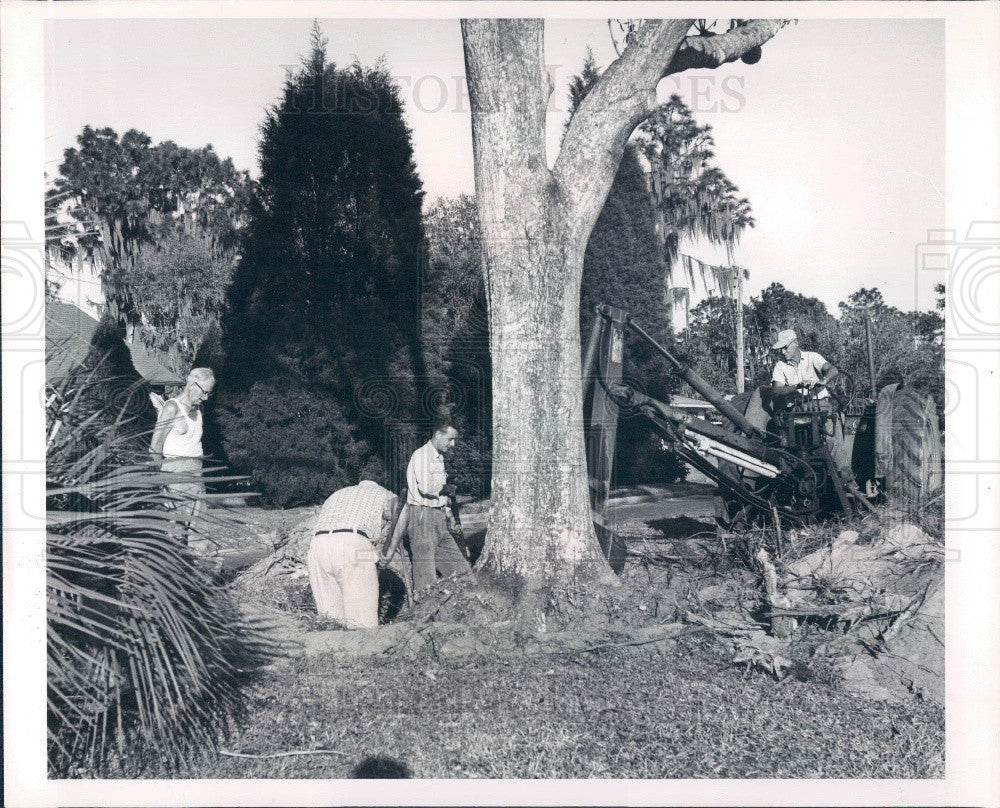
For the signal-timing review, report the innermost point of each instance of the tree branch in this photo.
(710, 52)
(622, 97)
(626, 94)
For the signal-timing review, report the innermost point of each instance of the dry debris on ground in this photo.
(863, 610)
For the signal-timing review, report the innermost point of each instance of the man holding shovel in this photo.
(428, 495)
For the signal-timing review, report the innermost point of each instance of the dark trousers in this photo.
(433, 548)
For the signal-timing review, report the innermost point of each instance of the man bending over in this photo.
(342, 574)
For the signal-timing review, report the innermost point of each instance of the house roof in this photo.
(69, 340)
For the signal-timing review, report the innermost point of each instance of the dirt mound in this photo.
(280, 581)
(884, 604)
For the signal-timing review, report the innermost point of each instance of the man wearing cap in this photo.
(798, 368)
(342, 555)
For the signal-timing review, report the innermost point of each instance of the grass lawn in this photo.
(619, 713)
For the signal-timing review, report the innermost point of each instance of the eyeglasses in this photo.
(204, 392)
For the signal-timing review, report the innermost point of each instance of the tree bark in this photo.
(539, 528)
(536, 224)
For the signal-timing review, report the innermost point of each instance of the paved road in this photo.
(669, 517)
(693, 506)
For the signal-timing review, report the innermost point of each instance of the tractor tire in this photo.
(915, 473)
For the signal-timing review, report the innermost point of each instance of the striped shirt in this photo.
(425, 477)
(358, 507)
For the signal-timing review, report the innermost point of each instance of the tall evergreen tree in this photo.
(580, 84)
(695, 197)
(455, 338)
(322, 343)
(624, 266)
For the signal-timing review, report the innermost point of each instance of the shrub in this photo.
(296, 444)
(469, 466)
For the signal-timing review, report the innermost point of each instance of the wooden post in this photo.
(740, 375)
(871, 355)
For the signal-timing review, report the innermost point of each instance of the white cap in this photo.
(785, 338)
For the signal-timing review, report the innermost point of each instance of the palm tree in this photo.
(145, 650)
(695, 197)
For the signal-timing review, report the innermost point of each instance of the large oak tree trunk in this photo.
(540, 528)
(535, 224)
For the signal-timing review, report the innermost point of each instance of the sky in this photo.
(836, 136)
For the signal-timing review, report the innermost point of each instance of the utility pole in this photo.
(740, 380)
(871, 354)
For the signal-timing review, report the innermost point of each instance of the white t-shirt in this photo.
(188, 443)
(806, 371)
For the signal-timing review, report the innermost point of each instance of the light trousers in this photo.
(834, 429)
(191, 499)
(344, 579)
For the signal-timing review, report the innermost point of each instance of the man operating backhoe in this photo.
(809, 372)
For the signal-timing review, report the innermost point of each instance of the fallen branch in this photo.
(290, 753)
(675, 630)
(780, 626)
(720, 628)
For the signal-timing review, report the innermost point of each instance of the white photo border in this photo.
(972, 58)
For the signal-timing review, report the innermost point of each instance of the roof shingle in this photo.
(69, 339)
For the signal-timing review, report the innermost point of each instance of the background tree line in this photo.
(907, 346)
(340, 315)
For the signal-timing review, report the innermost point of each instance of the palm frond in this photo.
(145, 650)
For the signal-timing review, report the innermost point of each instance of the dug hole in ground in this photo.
(859, 607)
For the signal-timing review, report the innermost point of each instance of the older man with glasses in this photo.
(176, 443)
(810, 372)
